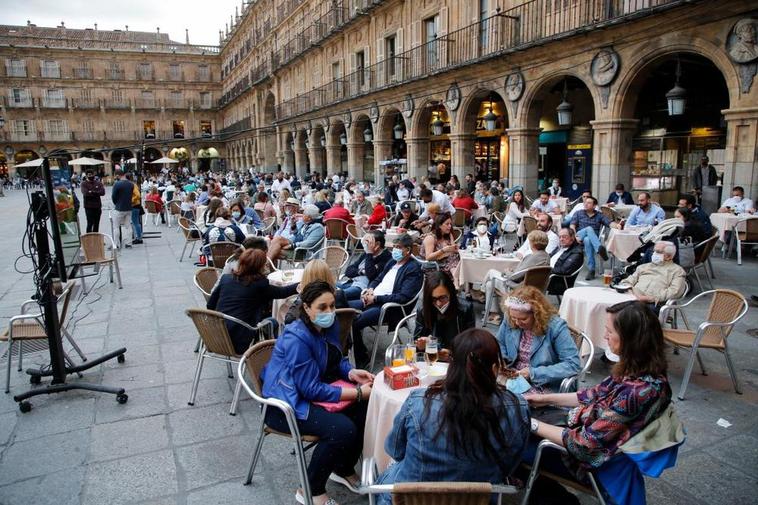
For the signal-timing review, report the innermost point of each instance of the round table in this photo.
(281, 306)
(623, 210)
(622, 243)
(584, 309)
(725, 221)
(474, 270)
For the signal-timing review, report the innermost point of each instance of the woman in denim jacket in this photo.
(464, 428)
(536, 342)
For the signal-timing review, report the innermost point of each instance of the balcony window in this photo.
(148, 128)
(50, 69)
(147, 99)
(145, 72)
(178, 129)
(83, 72)
(54, 98)
(56, 129)
(116, 73)
(205, 100)
(175, 100)
(360, 67)
(20, 97)
(203, 73)
(206, 129)
(15, 67)
(174, 72)
(23, 129)
(390, 47)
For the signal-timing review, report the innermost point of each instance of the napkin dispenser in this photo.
(400, 377)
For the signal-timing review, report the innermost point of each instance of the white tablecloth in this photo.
(562, 203)
(584, 309)
(622, 243)
(479, 212)
(280, 307)
(474, 270)
(725, 221)
(622, 210)
(383, 405)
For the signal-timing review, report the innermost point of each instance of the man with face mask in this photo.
(555, 190)
(399, 282)
(738, 203)
(619, 197)
(92, 189)
(367, 267)
(480, 236)
(661, 279)
(280, 183)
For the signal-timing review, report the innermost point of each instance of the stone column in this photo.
(462, 154)
(740, 163)
(301, 161)
(382, 151)
(611, 155)
(316, 156)
(333, 158)
(355, 153)
(524, 157)
(418, 157)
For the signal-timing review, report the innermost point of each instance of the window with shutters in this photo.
(147, 99)
(56, 129)
(175, 100)
(360, 67)
(20, 97)
(389, 52)
(85, 94)
(50, 69)
(115, 72)
(206, 100)
(15, 67)
(23, 129)
(431, 25)
(174, 72)
(145, 72)
(54, 98)
(203, 73)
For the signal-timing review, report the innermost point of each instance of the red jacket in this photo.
(157, 199)
(337, 212)
(378, 215)
(467, 203)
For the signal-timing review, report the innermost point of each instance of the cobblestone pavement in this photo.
(84, 448)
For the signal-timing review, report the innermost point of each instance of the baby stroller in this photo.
(666, 230)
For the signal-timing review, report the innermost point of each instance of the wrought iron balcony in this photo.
(531, 23)
(86, 103)
(117, 104)
(83, 73)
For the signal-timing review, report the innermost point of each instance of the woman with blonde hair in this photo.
(536, 342)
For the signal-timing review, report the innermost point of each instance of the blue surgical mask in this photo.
(324, 319)
(236, 214)
(397, 254)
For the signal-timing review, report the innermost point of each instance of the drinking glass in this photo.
(431, 355)
(410, 353)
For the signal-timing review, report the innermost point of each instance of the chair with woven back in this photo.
(569, 384)
(174, 211)
(93, 247)
(336, 231)
(335, 256)
(609, 213)
(345, 318)
(727, 307)
(353, 241)
(537, 277)
(744, 232)
(530, 224)
(191, 234)
(221, 251)
(703, 252)
(205, 278)
(28, 326)
(151, 209)
(268, 225)
(217, 344)
(460, 217)
(249, 376)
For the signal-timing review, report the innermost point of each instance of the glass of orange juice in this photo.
(410, 353)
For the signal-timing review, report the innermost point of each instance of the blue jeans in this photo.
(369, 317)
(137, 223)
(591, 245)
(351, 292)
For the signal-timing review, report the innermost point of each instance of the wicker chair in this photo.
(703, 252)
(268, 225)
(530, 224)
(460, 217)
(567, 280)
(191, 233)
(537, 277)
(345, 317)
(335, 256)
(609, 213)
(353, 242)
(93, 249)
(205, 278)
(29, 326)
(726, 309)
(174, 211)
(220, 252)
(217, 344)
(569, 384)
(151, 209)
(432, 493)
(336, 231)
(383, 322)
(249, 372)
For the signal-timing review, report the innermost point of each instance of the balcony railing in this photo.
(205, 105)
(144, 75)
(117, 103)
(57, 136)
(50, 72)
(22, 39)
(83, 73)
(115, 74)
(21, 136)
(534, 22)
(176, 103)
(86, 103)
(243, 124)
(203, 76)
(15, 71)
(53, 103)
(26, 103)
(175, 76)
(89, 136)
(146, 103)
(121, 135)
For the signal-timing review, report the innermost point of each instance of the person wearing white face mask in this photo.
(555, 189)
(737, 203)
(480, 236)
(441, 313)
(659, 281)
(367, 267)
(308, 371)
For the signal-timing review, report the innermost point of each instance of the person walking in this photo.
(92, 189)
(121, 196)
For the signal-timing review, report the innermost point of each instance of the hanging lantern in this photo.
(368, 135)
(565, 109)
(677, 96)
(343, 139)
(438, 124)
(292, 145)
(397, 131)
(323, 141)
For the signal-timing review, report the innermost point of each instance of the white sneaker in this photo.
(341, 480)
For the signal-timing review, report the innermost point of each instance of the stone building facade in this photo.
(106, 94)
(450, 87)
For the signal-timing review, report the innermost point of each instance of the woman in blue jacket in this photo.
(536, 341)
(465, 428)
(305, 360)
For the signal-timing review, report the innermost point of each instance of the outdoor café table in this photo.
(383, 404)
(562, 202)
(474, 270)
(280, 308)
(622, 210)
(393, 234)
(622, 243)
(725, 221)
(480, 211)
(584, 309)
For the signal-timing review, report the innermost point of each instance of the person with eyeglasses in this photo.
(441, 313)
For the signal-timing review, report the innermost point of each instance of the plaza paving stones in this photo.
(84, 448)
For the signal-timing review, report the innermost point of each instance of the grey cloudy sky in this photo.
(203, 18)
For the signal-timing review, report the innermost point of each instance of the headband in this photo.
(516, 303)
